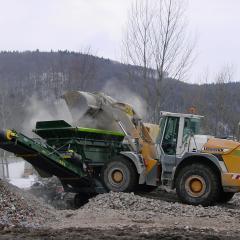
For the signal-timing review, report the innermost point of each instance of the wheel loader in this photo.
(107, 147)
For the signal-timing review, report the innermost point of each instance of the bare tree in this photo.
(232, 117)
(156, 39)
(4, 117)
(82, 70)
(171, 48)
(220, 107)
(137, 44)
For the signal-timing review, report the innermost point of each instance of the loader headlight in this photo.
(225, 149)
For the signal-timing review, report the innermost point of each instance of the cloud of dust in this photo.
(41, 110)
(87, 121)
(123, 94)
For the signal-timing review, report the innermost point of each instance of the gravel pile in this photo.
(18, 208)
(132, 202)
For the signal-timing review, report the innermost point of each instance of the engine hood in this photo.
(220, 146)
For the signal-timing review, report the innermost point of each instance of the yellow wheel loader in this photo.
(203, 169)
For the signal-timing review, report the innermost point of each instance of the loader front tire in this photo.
(198, 184)
(120, 175)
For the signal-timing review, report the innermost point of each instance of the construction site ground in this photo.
(116, 216)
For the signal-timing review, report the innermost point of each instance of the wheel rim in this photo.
(195, 186)
(117, 176)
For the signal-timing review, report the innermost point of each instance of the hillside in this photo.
(32, 81)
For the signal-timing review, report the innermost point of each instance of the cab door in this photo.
(168, 146)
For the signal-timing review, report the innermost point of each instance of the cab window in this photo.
(191, 127)
(169, 142)
(161, 129)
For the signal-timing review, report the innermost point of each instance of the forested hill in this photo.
(44, 76)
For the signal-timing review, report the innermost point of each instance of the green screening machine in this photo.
(79, 153)
(73, 154)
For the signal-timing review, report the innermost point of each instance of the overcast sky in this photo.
(77, 24)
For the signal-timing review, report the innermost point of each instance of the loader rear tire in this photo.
(120, 175)
(198, 184)
(225, 197)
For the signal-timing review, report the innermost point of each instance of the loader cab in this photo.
(175, 130)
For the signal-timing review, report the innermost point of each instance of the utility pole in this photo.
(6, 165)
(2, 163)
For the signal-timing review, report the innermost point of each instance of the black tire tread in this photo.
(215, 185)
(132, 169)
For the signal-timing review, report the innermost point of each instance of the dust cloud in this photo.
(123, 94)
(40, 110)
(43, 110)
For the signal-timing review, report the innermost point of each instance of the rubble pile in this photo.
(130, 202)
(17, 208)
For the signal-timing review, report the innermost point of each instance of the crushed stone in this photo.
(132, 202)
(121, 210)
(18, 208)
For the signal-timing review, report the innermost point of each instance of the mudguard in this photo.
(139, 164)
(197, 155)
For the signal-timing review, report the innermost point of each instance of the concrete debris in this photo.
(18, 208)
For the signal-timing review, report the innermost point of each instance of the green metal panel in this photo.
(61, 129)
(96, 146)
(52, 124)
(100, 131)
(95, 151)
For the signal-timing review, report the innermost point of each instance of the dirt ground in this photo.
(157, 215)
(116, 233)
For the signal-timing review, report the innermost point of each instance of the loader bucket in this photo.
(97, 110)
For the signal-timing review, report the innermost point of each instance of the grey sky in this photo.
(76, 24)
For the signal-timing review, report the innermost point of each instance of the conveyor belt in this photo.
(44, 158)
